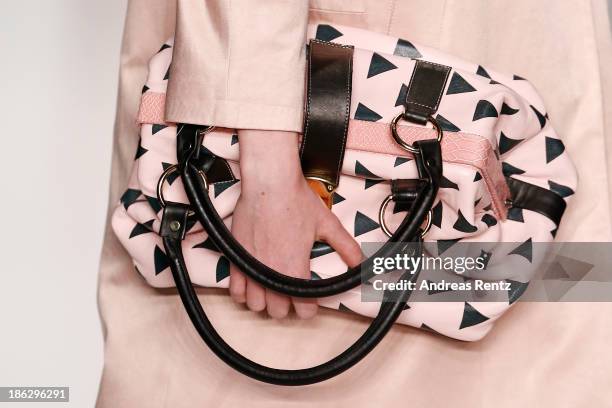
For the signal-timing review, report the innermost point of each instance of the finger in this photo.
(332, 231)
(237, 285)
(255, 296)
(305, 308)
(277, 305)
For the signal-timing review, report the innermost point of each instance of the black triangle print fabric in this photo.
(361, 170)
(163, 47)
(320, 249)
(207, 244)
(554, 232)
(484, 109)
(446, 183)
(508, 110)
(563, 191)
(369, 183)
(154, 203)
(446, 124)
(541, 117)
(172, 176)
(140, 151)
(378, 65)
(463, 225)
(516, 290)
(525, 250)
(327, 33)
(429, 329)
(510, 170)
(405, 48)
(220, 187)
(364, 224)
(400, 160)
(436, 215)
(160, 260)
(486, 257)
(130, 197)
(343, 308)
(337, 199)
(489, 220)
(143, 228)
(445, 244)
(516, 214)
(477, 176)
(482, 72)
(223, 269)
(471, 317)
(314, 276)
(401, 97)
(365, 113)
(459, 85)
(506, 144)
(554, 149)
(157, 128)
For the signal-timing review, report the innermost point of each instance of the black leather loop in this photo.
(386, 317)
(430, 166)
(404, 192)
(538, 199)
(425, 91)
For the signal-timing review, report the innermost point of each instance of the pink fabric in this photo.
(152, 108)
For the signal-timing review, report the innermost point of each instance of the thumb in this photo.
(330, 230)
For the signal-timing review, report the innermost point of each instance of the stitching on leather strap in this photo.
(347, 114)
(437, 104)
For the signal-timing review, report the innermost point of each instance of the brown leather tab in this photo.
(425, 91)
(405, 191)
(330, 70)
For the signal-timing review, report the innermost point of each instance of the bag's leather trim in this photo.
(538, 199)
(328, 104)
(425, 91)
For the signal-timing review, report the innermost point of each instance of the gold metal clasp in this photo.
(323, 189)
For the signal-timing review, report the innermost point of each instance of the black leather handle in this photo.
(429, 164)
(387, 315)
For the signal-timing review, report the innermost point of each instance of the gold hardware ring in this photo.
(162, 179)
(408, 146)
(383, 224)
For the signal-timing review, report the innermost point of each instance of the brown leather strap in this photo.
(425, 91)
(330, 70)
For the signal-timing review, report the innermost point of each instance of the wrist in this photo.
(269, 160)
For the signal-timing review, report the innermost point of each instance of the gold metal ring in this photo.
(407, 146)
(383, 224)
(162, 179)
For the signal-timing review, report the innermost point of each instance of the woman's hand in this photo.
(278, 218)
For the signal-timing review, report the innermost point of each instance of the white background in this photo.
(59, 62)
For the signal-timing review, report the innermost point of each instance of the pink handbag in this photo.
(404, 142)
